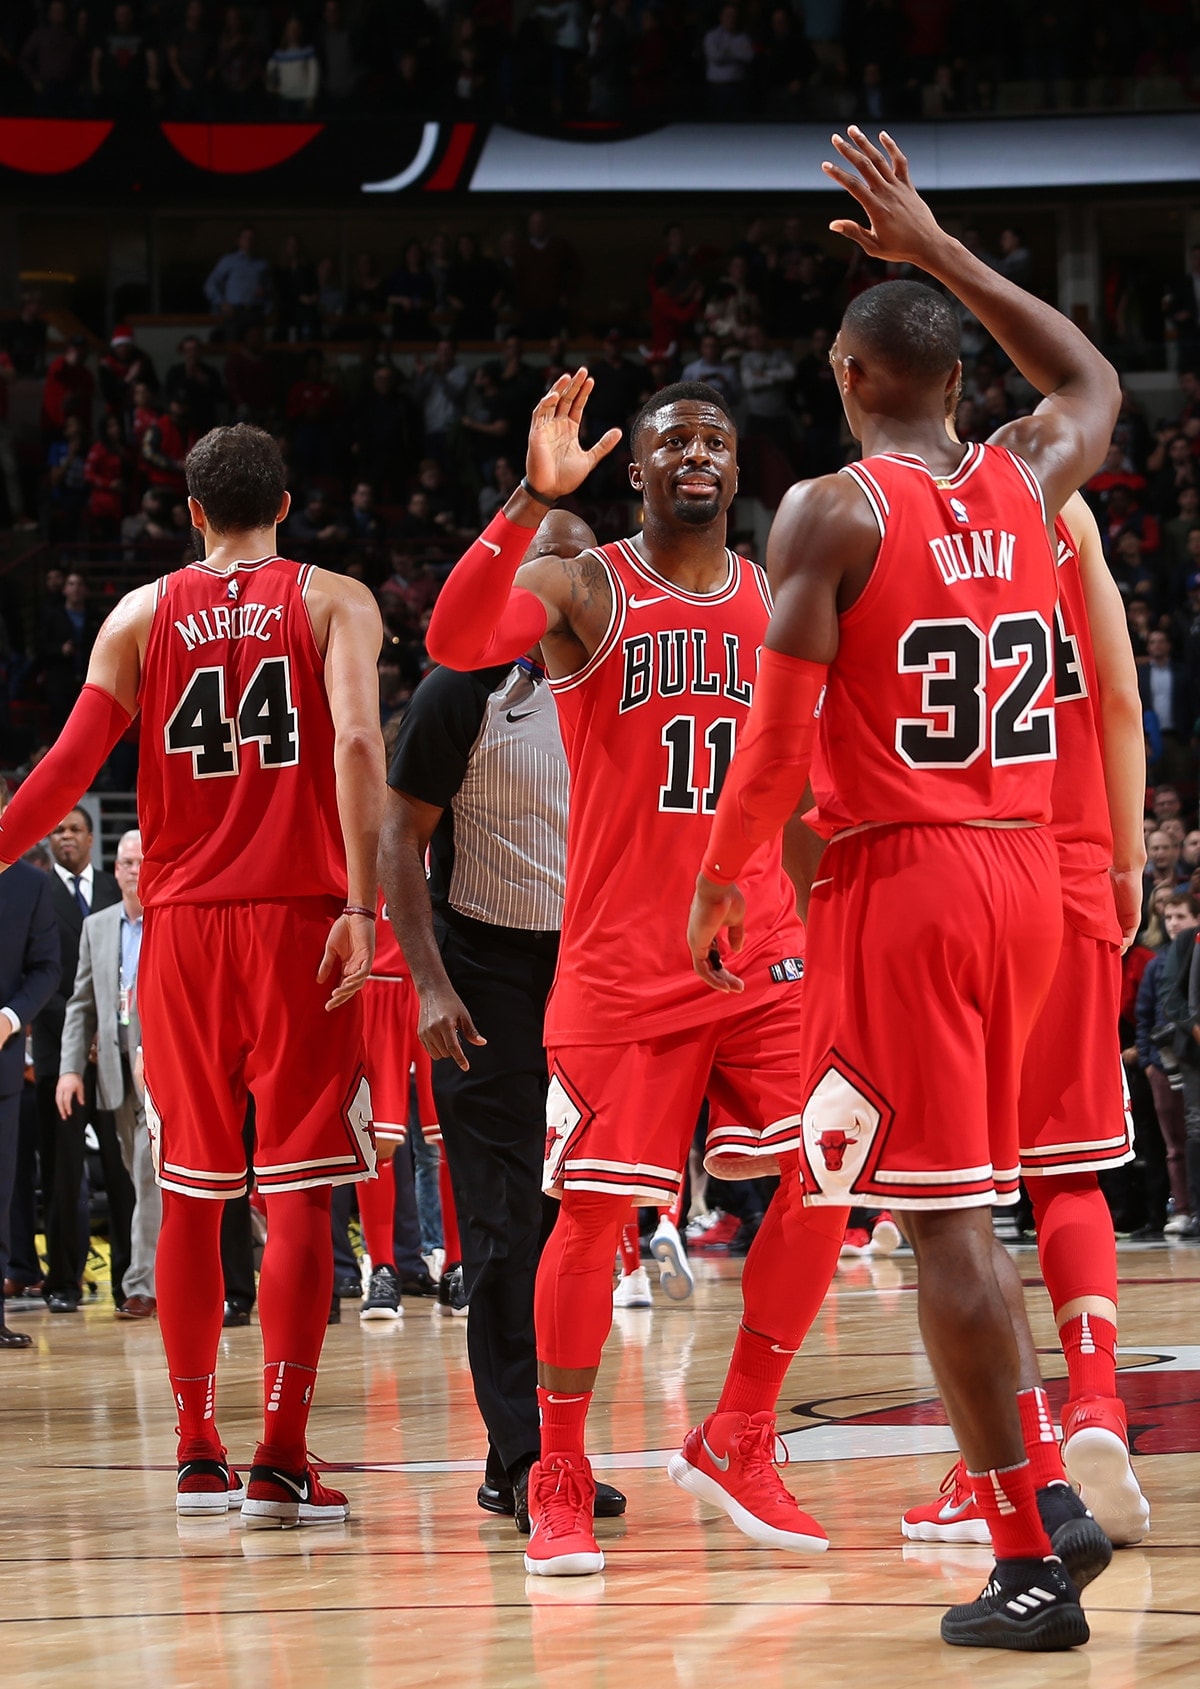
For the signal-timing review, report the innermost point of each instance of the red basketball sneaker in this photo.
(562, 1498)
(207, 1487)
(275, 1498)
(953, 1517)
(1096, 1455)
(729, 1461)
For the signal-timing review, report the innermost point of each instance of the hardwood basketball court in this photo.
(102, 1584)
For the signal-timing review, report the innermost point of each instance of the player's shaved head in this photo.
(905, 328)
(560, 534)
(678, 393)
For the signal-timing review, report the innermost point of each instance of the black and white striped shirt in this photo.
(485, 748)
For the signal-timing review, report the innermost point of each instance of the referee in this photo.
(479, 779)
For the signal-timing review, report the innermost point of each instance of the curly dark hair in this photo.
(237, 477)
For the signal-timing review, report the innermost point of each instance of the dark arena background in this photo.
(380, 230)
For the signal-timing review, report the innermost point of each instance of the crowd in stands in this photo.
(608, 60)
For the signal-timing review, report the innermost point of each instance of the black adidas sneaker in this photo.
(1029, 1605)
(1075, 1537)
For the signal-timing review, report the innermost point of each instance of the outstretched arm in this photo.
(1122, 739)
(487, 612)
(1065, 439)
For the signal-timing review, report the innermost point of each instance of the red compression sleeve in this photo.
(766, 777)
(480, 617)
(93, 728)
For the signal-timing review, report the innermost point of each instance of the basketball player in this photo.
(651, 646)
(912, 646)
(1074, 1116)
(260, 800)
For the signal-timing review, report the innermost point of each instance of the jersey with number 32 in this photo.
(940, 702)
(236, 794)
(650, 725)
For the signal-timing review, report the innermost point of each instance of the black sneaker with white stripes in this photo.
(1029, 1605)
(1075, 1537)
(383, 1297)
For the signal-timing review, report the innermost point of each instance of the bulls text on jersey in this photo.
(676, 661)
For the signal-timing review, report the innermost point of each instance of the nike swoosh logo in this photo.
(559, 1401)
(492, 547)
(721, 1465)
(300, 1491)
(949, 1513)
(641, 603)
(524, 715)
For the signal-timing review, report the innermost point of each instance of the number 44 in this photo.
(266, 716)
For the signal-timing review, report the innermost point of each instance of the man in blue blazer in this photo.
(30, 966)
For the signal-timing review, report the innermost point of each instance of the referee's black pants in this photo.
(493, 1121)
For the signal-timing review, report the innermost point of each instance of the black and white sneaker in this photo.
(383, 1296)
(451, 1293)
(1075, 1537)
(275, 1498)
(1029, 1605)
(206, 1488)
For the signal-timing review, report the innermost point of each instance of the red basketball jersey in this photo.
(236, 793)
(940, 703)
(650, 725)
(1081, 825)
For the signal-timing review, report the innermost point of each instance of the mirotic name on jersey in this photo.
(230, 621)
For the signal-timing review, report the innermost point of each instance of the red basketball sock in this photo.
(572, 1309)
(786, 1275)
(675, 1212)
(377, 1211)
(631, 1248)
(1041, 1444)
(563, 1415)
(294, 1293)
(191, 1297)
(1007, 1500)
(451, 1241)
(1089, 1342)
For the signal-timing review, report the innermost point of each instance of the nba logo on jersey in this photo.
(959, 510)
(231, 591)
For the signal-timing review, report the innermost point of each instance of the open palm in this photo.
(556, 463)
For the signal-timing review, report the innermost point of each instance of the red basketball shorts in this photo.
(620, 1117)
(230, 1004)
(395, 1056)
(930, 954)
(1075, 1114)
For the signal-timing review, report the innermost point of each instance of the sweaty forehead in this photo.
(688, 416)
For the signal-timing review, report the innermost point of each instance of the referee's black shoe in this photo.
(1030, 1606)
(498, 1495)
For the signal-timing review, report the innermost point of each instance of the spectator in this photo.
(365, 523)
(191, 64)
(239, 66)
(1016, 260)
(766, 375)
(1166, 689)
(124, 69)
(568, 24)
(440, 390)
(823, 29)
(198, 384)
(108, 471)
(159, 520)
(314, 528)
(331, 299)
(238, 288)
(618, 391)
(368, 290)
(312, 408)
(70, 387)
(711, 367)
(728, 55)
(341, 61)
(379, 430)
(1179, 473)
(52, 62)
(473, 291)
(166, 444)
(8, 459)
(294, 72)
(797, 299)
(733, 305)
(788, 65)
(143, 417)
(65, 639)
(411, 296)
(122, 367)
(486, 420)
(25, 336)
(67, 489)
(297, 315)
(514, 376)
(1181, 308)
(609, 59)
(496, 493)
(544, 276)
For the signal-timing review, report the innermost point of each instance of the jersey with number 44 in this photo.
(650, 725)
(940, 702)
(236, 794)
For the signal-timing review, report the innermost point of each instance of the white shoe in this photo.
(633, 1290)
(675, 1275)
(434, 1262)
(885, 1239)
(1176, 1226)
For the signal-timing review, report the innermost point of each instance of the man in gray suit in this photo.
(103, 1012)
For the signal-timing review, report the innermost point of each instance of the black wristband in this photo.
(533, 493)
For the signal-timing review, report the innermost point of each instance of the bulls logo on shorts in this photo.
(564, 1120)
(840, 1127)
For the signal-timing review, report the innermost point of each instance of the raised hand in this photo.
(556, 463)
(902, 228)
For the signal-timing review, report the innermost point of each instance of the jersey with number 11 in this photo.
(940, 703)
(236, 792)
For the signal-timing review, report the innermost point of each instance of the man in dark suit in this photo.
(30, 965)
(1165, 687)
(76, 889)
